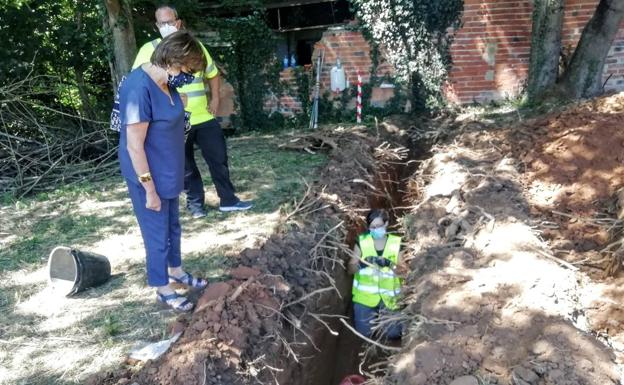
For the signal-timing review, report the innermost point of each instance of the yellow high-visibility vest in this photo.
(374, 284)
(197, 103)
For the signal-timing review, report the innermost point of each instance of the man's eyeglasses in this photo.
(170, 23)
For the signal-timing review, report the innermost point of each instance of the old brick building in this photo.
(490, 53)
(491, 50)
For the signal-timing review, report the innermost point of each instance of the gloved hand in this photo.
(379, 261)
(383, 262)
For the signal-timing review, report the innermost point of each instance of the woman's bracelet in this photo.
(145, 177)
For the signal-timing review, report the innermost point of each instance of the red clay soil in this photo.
(575, 159)
(580, 153)
(484, 303)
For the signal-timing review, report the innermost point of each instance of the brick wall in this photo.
(355, 56)
(490, 54)
(289, 103)
(491, 50)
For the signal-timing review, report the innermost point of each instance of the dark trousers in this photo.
(161, 233)
(363, 317)
(209, 138)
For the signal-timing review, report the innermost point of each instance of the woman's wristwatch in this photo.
(145, 177)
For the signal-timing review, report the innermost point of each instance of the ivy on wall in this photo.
(303, 82)
(415, 35)
(248, 58)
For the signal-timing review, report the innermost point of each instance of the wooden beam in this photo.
(325, 26)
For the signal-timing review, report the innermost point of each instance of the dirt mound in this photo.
(574, 171)
(487, 302)
(575, 164)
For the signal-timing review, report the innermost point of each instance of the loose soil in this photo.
(575, 164)
(504, 209)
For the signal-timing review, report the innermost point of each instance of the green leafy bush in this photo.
(415, 36)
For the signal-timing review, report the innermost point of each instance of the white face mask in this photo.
(167, 30)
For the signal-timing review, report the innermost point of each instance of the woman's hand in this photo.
(213, 106)
(152, 201)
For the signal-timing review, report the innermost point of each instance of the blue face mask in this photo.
(378, 233)
(180, 79)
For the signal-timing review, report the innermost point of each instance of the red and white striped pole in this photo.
(358, 103)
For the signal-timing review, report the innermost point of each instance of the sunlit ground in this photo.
(49, 339)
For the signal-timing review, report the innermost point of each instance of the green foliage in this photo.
(303, 81)
(250, 65)
(111, 326)
(414, 34)
(63, 39)
(342, 108)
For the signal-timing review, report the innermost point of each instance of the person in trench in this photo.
(151, 157)
(375, 264)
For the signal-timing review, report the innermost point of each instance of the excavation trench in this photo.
(341, 355)
(276, 319)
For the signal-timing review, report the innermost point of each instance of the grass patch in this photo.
(274, 176)
(67, 337)
(111, 325)
(213, 264)
(42, 235)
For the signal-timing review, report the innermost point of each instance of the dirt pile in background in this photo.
(489, 299)
(271, 321)
(574, 164)
(575, 169)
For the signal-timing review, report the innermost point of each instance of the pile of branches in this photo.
(42, 146)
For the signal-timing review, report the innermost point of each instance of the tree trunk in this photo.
(545, 46)
(124, 43)
(84, 93)
(583, 78)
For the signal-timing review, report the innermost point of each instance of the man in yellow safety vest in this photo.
(376, 282)
(205, 129)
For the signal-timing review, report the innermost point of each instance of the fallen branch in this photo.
(42, 146)
(555, 259)
(295, 324)
(240, 289)
(313, 293)
(362, 181)
(322, 240)
(331, 331)
(386, 347)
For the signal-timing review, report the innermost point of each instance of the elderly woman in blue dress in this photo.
(151, 154)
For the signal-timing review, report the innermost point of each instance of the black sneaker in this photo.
(198, 213)
(240, 206)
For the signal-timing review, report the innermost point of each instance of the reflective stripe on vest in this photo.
(375, 289)
(373, 284)
(192, 94)
(375, 272)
